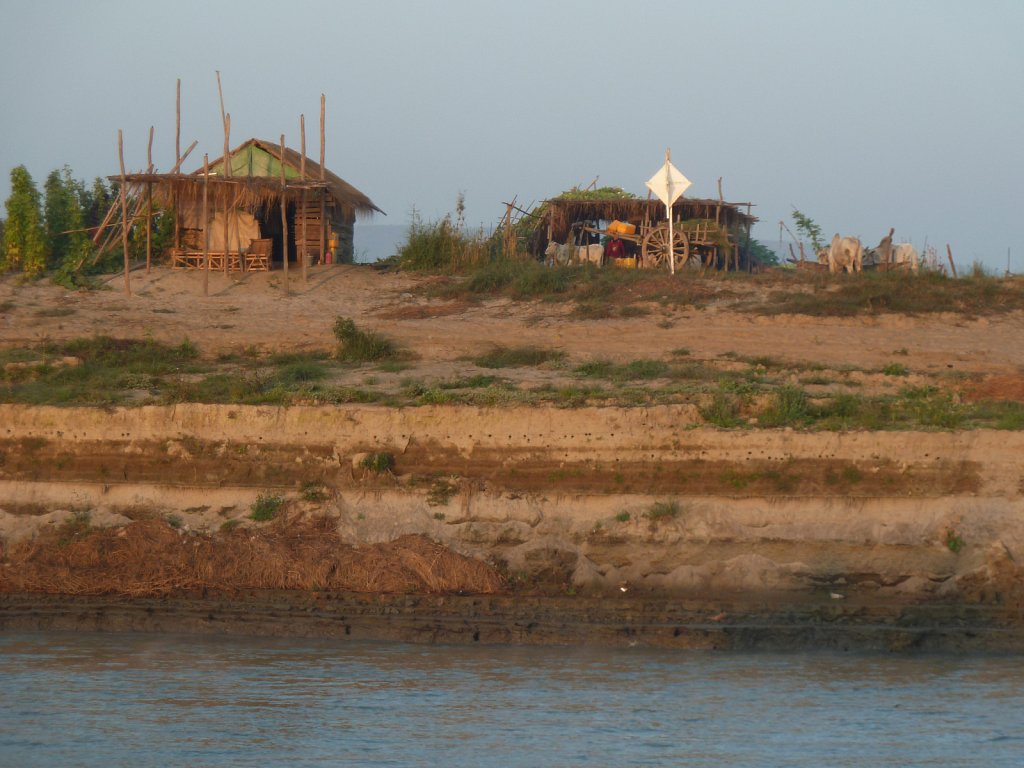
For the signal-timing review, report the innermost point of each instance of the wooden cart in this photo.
(689, 240)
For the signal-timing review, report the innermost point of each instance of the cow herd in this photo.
(847, 254)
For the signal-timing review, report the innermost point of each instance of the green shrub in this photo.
(644, 369)
(313, 492)
(622, 517)
(517, 357)
(378, 462)
(954, 540)
(441, 492)
(663, 510)
(74, 528)
(895, 369)
(358, 346)
(265, 508)
(791, 408)
(442, 245)
(723, 410)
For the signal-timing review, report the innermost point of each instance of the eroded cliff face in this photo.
(586, 501)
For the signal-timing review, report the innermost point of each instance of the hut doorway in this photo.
(269, 218)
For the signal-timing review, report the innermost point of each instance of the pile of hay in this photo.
(150, 558)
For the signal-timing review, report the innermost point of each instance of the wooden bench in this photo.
(181, 259)
(257, 258)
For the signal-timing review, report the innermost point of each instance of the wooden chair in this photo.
(257, 259)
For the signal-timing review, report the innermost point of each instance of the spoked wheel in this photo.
(654, 248)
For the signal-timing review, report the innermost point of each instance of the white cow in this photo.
(905, 253)
(556, 253)
(593, 254)
(845, 253)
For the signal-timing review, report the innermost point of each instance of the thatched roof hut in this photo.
(321, 207)
(562, 212)
(721, 224)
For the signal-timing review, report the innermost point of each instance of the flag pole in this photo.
(668, 212)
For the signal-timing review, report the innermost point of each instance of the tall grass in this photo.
(442, 246)
(359, 346)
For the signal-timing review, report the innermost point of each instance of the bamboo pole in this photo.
(949, 253)
(302, 174)
(227, 221)
(149, 203)
(206, 227)
(238, 232)
(183, 158)
(177, 160)
(124, 214)
(227, 146)
(177, 123)
(323, 190)
(220, 93)
(507, 245)
(284, 218)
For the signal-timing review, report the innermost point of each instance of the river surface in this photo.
(137, 700)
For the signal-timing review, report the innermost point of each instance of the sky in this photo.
(864, 115)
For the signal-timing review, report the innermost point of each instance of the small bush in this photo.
(622, 517)
(357, 346)
(895, 369)
(723, 410)
(663, 510)
(791, 408)
(442, 245)
(441, 492)
(74, 528)
(301, 372)
(517, 357)
(954, 541)
(314, 493)
(379, 462)
(265, 508)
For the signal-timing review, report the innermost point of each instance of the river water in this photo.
(137, 700)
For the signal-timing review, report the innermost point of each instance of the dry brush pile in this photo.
(151, 558)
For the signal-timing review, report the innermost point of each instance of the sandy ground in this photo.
(255, 310)
(566, 495)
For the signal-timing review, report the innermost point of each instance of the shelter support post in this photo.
(323, 194)
(124, 213)
(284, 219)
(206, 226)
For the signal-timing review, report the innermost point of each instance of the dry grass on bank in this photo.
(150, 558)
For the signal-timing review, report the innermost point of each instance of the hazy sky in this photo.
(864, 115)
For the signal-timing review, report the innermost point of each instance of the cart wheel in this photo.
(655, 247)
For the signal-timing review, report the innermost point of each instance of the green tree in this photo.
(66, 241)
(806, 227)
(762, 254)
(96, 201)
(25, 239)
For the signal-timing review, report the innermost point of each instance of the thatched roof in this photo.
(562, 212)
(254, 183)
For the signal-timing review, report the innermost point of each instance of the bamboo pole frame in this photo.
(323, 194)
(149, 203)
(206, 228)
(124, 213)
(177, 159)
(302, 175)
(284, 219)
